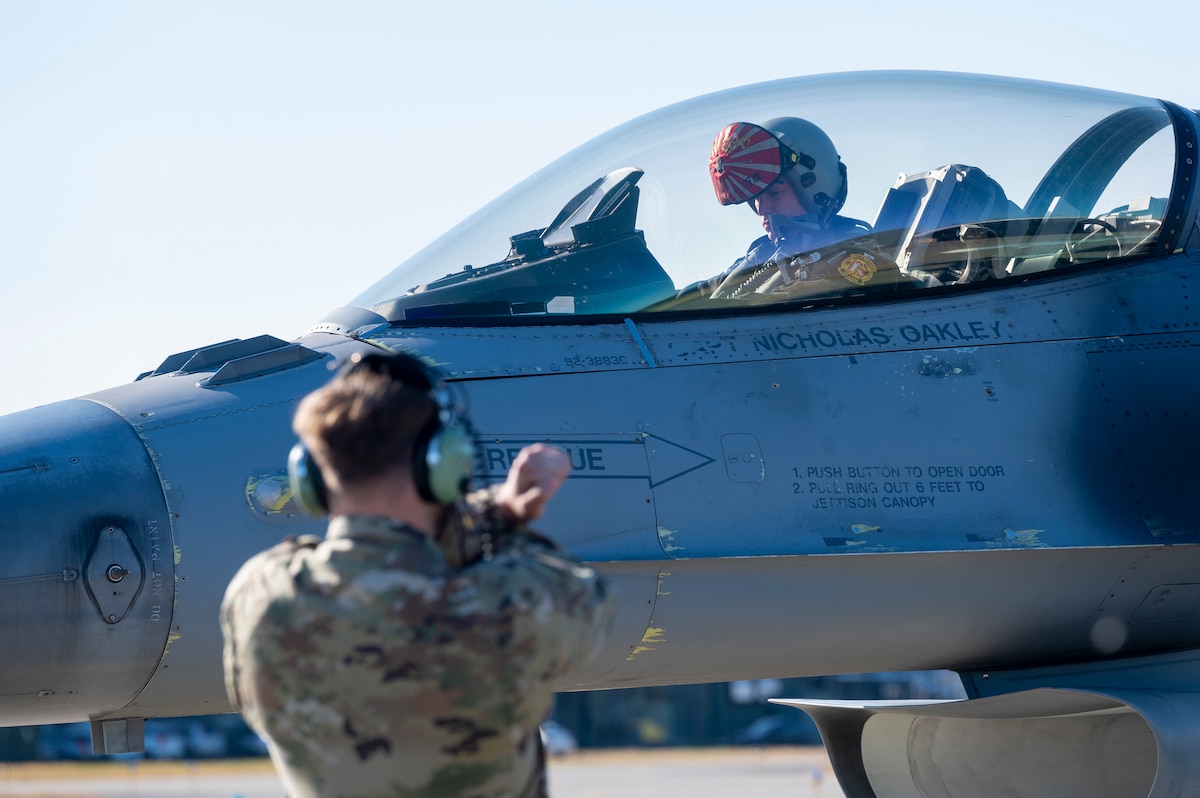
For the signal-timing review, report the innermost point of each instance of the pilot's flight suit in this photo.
(376, 667)
(838, 256)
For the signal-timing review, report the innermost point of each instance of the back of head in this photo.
(365, 422)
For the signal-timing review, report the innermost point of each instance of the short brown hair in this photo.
(362, 423)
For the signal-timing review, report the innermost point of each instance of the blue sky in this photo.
(172, 175)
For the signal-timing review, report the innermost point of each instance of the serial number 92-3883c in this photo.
(586, 361)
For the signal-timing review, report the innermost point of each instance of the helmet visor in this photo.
(745, 159)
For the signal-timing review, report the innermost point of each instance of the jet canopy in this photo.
(955, 180)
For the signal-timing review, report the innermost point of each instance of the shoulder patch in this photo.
(858, 268)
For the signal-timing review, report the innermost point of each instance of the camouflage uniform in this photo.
(375, 666)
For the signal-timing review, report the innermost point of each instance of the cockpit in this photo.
(960, 183)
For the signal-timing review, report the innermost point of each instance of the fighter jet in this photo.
(940, 418)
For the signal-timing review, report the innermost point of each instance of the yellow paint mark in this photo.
(662, 575)
(653, 634)
(178, 554)
(271, 491)
(171, 638)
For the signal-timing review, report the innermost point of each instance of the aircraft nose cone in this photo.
(87, 576)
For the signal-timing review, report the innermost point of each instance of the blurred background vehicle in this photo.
(786, 727)
(201, 737)
(558, 739)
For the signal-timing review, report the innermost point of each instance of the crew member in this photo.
(414, 650)
(789, 172)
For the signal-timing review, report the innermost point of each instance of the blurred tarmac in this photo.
(794, 772)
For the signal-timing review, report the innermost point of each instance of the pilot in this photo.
(413, 650)
(789, 172)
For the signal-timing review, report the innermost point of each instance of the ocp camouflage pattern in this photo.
(374, 667)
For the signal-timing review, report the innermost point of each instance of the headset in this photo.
(443, 452)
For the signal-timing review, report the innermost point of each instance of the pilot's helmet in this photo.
(746, 158)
